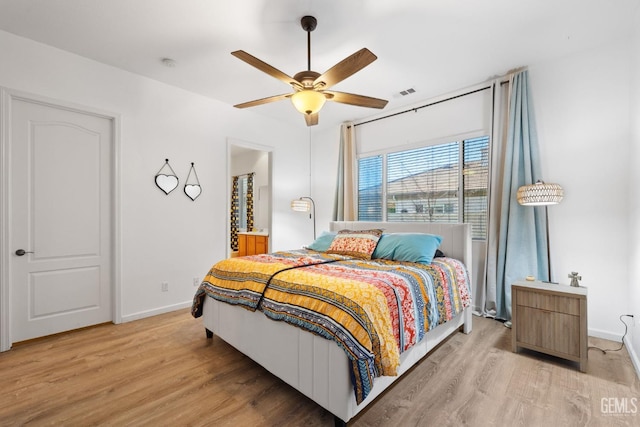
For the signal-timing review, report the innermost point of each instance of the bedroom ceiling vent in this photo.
(168, 62)
(407, 91)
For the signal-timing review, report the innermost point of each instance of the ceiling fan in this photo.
(310, 87)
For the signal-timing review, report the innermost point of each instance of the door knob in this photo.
(21, 252)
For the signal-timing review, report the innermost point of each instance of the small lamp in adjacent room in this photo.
(306, 204)
(541, 194)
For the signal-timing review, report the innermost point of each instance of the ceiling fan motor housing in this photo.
(306, 78)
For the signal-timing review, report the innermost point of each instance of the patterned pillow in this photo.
(355, 243)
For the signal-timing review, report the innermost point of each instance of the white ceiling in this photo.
(434, 46)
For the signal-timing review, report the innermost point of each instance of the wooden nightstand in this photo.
(551, 319)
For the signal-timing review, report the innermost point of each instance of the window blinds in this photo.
(438, 183)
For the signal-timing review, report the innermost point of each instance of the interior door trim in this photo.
(7, 96)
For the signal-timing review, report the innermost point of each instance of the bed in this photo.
(320, 368)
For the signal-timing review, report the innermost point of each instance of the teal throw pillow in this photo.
(411, 247)
(322, 243)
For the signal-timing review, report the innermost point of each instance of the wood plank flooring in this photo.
(162, 371)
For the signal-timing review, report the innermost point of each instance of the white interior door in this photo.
(61, 216)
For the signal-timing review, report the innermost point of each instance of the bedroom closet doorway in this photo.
(59, 245)
(246, 162)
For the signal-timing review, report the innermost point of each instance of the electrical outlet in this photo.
(196, 281)
(164, 287)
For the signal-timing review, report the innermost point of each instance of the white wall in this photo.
(633, 300)
(324, 152)
(165, 238)
(582, 109)
(582, 106)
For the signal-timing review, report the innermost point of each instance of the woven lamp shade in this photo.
(540, 194)
(300, 205)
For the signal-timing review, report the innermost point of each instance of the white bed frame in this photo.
(315, 366)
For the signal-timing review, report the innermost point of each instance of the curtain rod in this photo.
(505, 80)
(415, 109)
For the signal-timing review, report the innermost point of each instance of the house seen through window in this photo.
(438, 183)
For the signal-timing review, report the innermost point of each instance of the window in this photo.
(370, 189)
(423, 184)
(475, 177)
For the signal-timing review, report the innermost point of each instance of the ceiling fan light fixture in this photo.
(308, 101)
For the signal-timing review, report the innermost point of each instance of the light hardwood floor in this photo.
(162, 371)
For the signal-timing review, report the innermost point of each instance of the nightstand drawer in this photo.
(548, 330)
(549, 302)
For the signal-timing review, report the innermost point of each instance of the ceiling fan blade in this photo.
(266, 68)
(311, 119)
(345, 68)
(352, 99)
(263, 101)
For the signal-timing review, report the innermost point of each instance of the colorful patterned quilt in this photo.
(374, 310)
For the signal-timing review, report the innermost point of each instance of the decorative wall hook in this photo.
(192, 190)
(165, 181)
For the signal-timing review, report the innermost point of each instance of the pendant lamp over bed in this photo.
(541, 194)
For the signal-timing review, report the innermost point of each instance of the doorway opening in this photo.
(249, 176)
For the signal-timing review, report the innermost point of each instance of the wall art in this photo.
(192, 188)
(165, 181)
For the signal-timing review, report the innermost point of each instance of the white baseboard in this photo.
(155, 311)
(605, 335)
(633, 354)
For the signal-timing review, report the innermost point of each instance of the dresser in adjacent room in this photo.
(253, 243)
